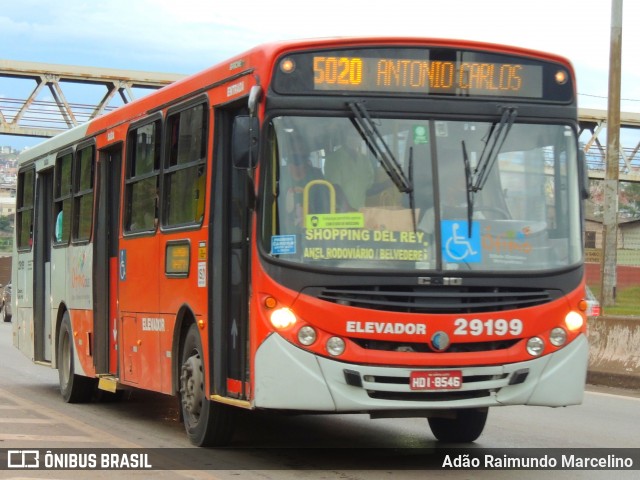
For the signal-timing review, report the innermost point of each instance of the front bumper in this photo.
(290, 378)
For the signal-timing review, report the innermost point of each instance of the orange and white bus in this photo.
(380, 225)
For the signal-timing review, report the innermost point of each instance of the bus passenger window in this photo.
(83, 194)
(185, 172)
(62, 199)
(143, 168)
(24, 210)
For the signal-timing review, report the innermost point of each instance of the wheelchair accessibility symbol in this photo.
(123, 265)
(457, 245)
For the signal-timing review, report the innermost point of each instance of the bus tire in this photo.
(207, 423)
(466, 427)
(73, 388)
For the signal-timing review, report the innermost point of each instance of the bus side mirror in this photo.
(244, 141)
(583, 173)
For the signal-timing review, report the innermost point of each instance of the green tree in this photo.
(5, 224)
(630, 199)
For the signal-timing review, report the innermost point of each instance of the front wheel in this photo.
(73, 388)
(465, 427)
(208, 424)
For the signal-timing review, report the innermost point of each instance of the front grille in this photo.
(429, 396)
(434, 299)
(388, 346)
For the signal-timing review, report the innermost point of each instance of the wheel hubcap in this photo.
(192, 386)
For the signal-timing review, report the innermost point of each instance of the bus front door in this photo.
(230, 234)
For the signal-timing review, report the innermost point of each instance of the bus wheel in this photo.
(74, 388)
(208, 424)
(467, 426)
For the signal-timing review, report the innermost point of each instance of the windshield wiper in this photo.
(497, 135)
(476, 180)
(412, 201)
(469, 181)
(376, 143)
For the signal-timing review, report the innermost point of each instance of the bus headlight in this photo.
(282, 318)
(335, 346)
(573, 321)
(307, 335)
(535, 346)
(558, 337)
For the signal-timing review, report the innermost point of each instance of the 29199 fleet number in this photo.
(499, 327)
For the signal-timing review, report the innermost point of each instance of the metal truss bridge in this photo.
(593, 123)
(53, 98)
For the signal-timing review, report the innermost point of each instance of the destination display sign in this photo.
(424, 76)
(423, 71)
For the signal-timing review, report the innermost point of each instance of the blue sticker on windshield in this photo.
(457, 246)
(283, 244)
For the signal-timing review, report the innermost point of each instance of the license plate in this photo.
(436, 380)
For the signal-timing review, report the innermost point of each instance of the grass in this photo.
(627, 301)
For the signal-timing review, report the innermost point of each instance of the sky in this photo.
(187, 36)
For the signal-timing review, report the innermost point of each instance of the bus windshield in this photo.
(407, 194)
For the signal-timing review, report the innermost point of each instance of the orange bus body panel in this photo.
(148, 302)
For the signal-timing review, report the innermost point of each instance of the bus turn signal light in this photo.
(270, 302)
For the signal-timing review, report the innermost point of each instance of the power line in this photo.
(604, 96)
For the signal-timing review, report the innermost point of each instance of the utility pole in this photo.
(610, 219)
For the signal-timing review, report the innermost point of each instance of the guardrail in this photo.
(614, 351)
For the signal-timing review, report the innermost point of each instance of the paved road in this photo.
(32, 415)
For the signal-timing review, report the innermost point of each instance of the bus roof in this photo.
(258, 61)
